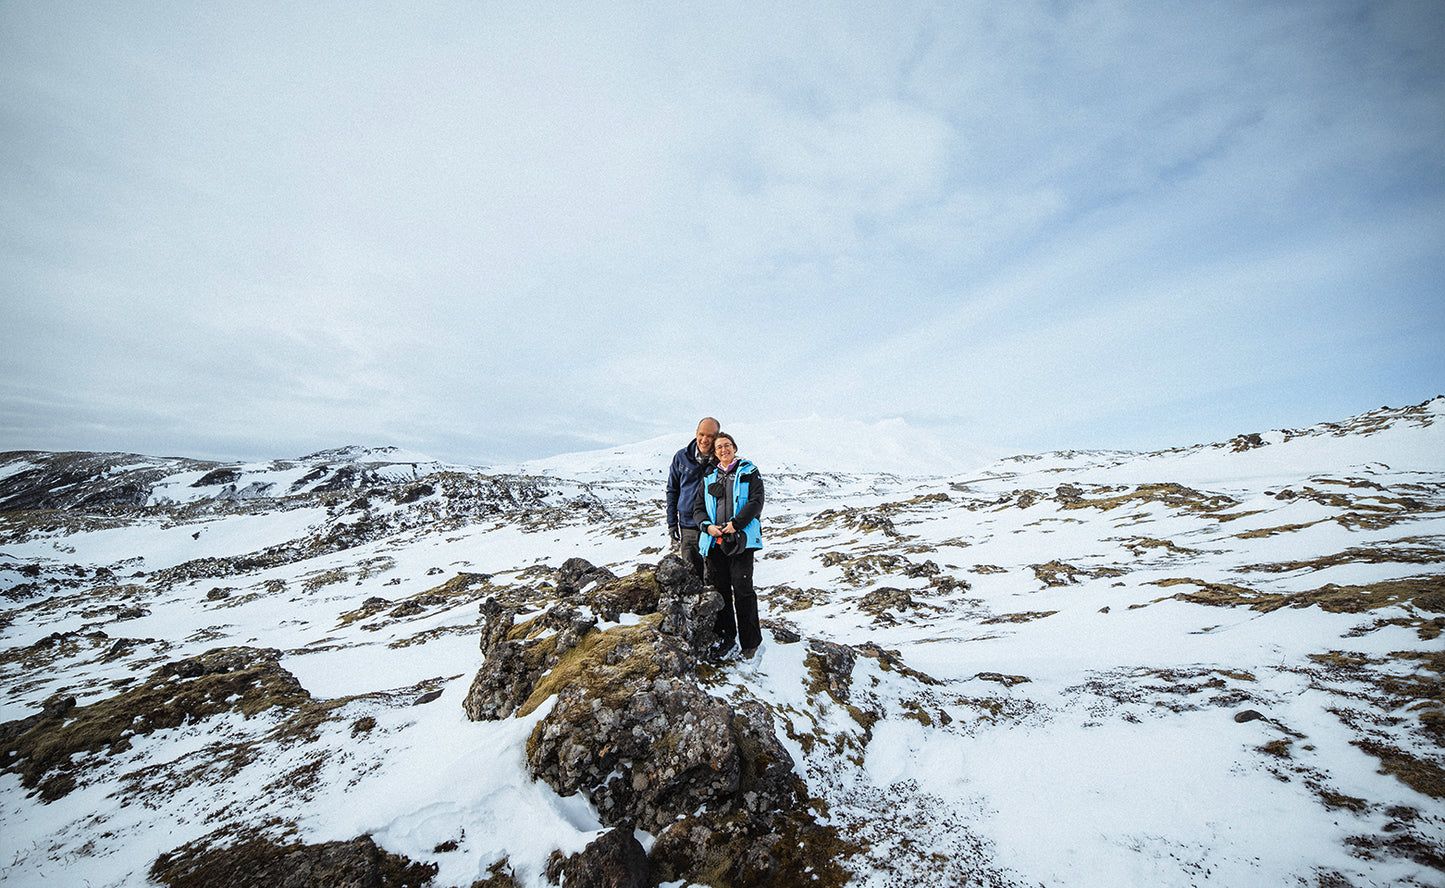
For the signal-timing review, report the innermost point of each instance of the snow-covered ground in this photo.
(1217, 665)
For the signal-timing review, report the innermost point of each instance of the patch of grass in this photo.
(1059, 573)
(48, 752)
(1264, 532)
(1331, 597)
(1175, 496)
(1025, 617)
(1420, 774)
(1399, 554)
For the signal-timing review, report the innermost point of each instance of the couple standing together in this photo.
(714, 516)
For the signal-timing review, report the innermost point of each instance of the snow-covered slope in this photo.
(1218, 665)
(816, 444)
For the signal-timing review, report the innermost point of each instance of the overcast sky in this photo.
(489, 231)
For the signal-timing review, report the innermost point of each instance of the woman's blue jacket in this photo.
(747, 498)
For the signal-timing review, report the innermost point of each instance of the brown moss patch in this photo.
(1397, 554)
(49, 752)
(1059, 573)
(1026, 617)
(1175, 496)
(1419, 773)
(599, 660)
(260, 862)
(1263, 532)
(1331, 597)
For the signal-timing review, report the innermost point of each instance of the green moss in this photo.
(587, 662)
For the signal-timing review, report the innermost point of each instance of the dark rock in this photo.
(577, 574)
(767, 782)
(413, 493)
(782, 634)
(218, 477)
(635, 594)
(832, 667)
(1068, 494)
(632, 730)
(886, 598)
(261, 863)
(636, 734)
(613, 860)
(516, 657)
(1248, 715)
(689, 609)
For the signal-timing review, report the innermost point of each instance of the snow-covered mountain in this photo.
(1215, 665)
(816, 444)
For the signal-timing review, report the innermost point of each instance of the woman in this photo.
(728, 508)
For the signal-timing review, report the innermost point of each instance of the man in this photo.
(689, 466)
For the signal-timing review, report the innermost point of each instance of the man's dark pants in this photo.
(687, 544)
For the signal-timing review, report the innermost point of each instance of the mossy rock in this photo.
(47, 751)
(258, 862)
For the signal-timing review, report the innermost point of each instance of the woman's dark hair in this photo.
(729, 437)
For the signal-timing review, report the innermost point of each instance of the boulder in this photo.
(613, 860)
(576, 575)
(261, 863)
(832, 667)
(516, 657)
(688, 607)
(632, 730)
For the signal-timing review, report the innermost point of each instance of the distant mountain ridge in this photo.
(84, 480)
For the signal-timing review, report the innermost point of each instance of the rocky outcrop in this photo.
(631, 728)
(613, 860)
(262, 863)
(638, 736)
(48, 750)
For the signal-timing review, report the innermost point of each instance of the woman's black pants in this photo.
(732, 576)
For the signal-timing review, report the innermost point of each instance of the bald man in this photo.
(689, 466)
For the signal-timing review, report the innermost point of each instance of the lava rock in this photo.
(613, 860)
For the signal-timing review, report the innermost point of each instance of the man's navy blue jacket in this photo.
(683, 480)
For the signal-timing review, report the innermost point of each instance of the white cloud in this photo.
(535, 227)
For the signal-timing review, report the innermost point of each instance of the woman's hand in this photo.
(729, 528)
(715, 531)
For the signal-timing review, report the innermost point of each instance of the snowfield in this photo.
(1217, 665)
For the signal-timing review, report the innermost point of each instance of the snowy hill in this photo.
(1216, 665)
(844, 447)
